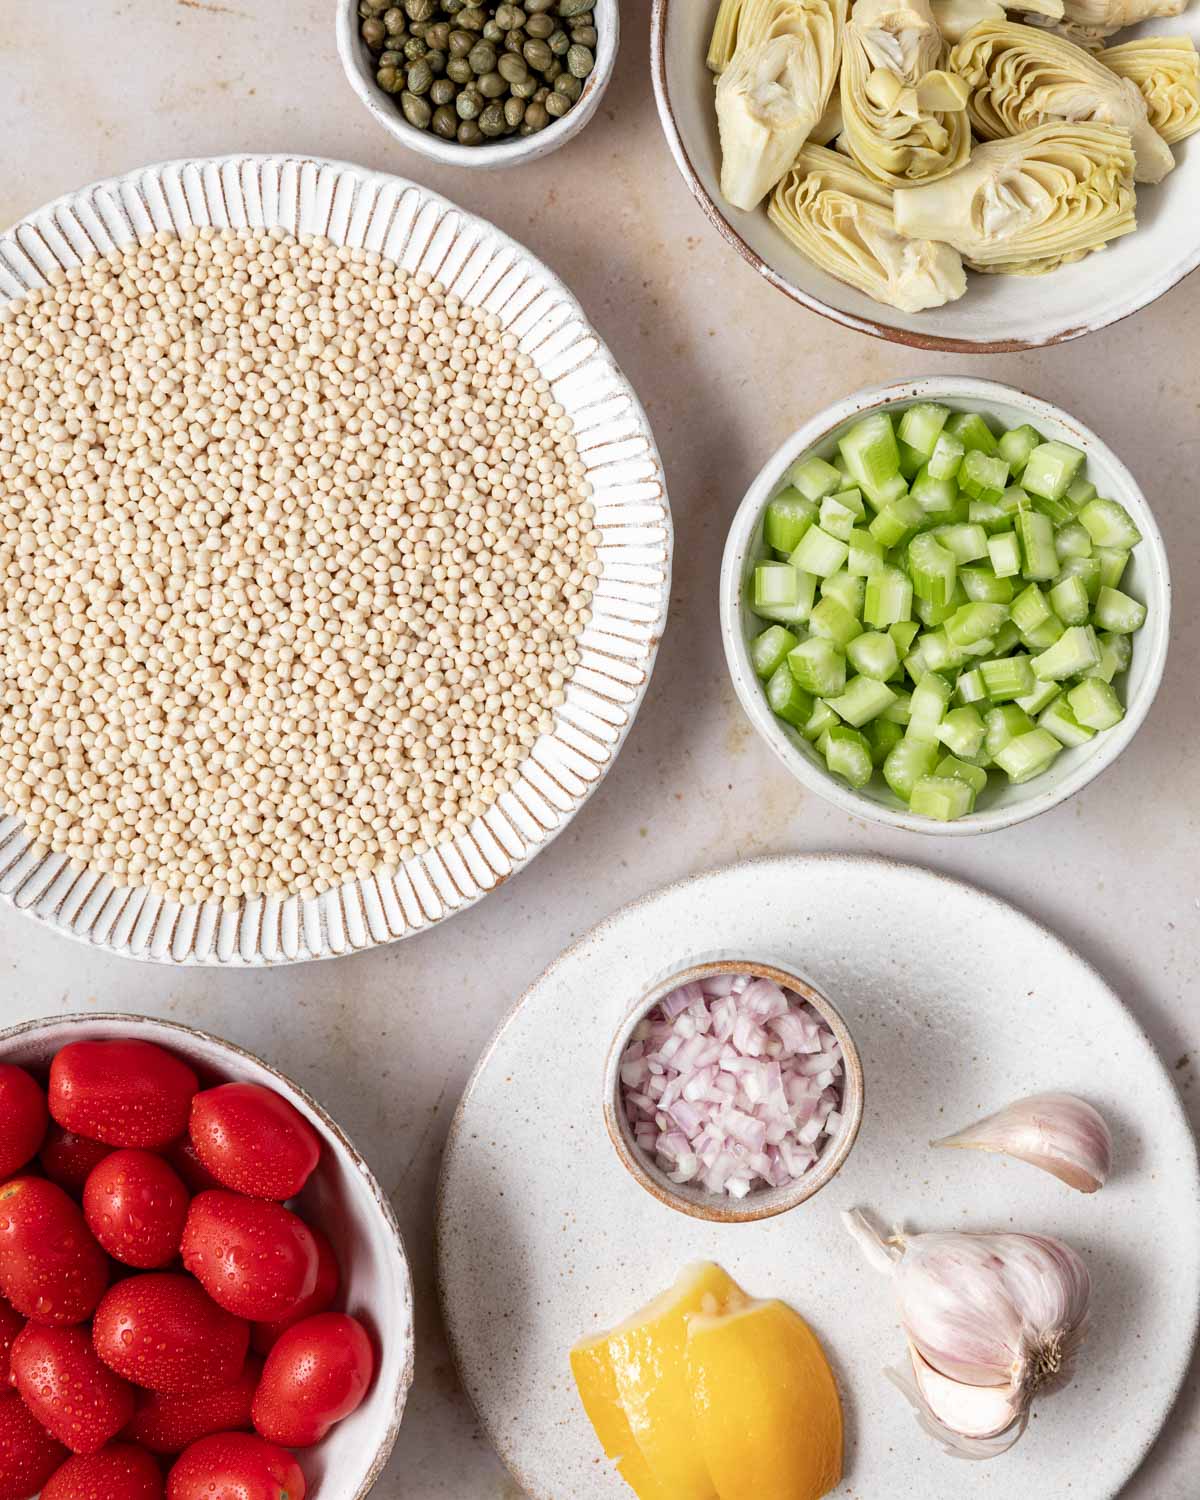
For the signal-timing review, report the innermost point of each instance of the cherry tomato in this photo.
(317, 1373)
(51, 1269)
(182, 1156)
(136, 1205)
(165, 1332)
(23, 1119)
(126, 1093)
(253, 1141)
(256, 1259)
(118, 1472)
(169, 1424)
(11, 1323)
(235, 1466)
(68, 1158)
(28, 1454)
(75, 1398)
(329, 1279)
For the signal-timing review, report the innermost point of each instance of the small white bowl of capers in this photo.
(479, 83)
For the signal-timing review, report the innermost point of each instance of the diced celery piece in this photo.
(815, 478)
(1072, 540)
(1111, 563)
(1031, 608)
(937, 653)
(1004, 549)
(929, 700)
(1074, 652)
(787, 518)
(1004, 724)
(981, 585)
(907, 763)
(1043, 636)
(1042, 696)
(848, 754)
(863, 699)
(1116, 652)
(982, 472)
(818, 666)
(888, 599)
(821, 720)
(897, 521)
(1006, 638)
(883, 735)
(921, 426)
(1050, 470)
(1057, 512)
(1070, 602)
(1095, 704)
(993, 515)
(1080, 491)
(1118, 613)
(934, 496)
(872, 457)
(819, 553)
(1007, 677)
(942, 797)
(837, 519)
(866, 554)
(970, 687)
(830, 620)
(904, 633)
(1028, 755)
(1109, 524)
(1059, 718)
(1085, 568)
(899, 711)
(961, 731)
(788, 699)
(975, 622)
(873, 654)
(932, 615)
(932, 568)
(1039, 559)
(946, 458)
(911, 462)
(962, 770)
(774, 584)
(972, 431)
(1017, 444)
(768, 650)
(968, 543)
(846, 589)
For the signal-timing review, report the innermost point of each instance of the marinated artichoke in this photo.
(1167, 71)
(1021, 77)
(774, 90)
(723, 43)
(1089, 23)
(898, 132)
(1031, 203)
(842, 221)
(956, 17)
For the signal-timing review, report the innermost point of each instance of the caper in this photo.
(374, 33)
(443, 91)
(459, 69)
(526, 87)
(511, 68)
(395, 20)
(469, 104)
(439, 35)
(586, 36)
(535, 7)
(539, 26)
(569, 85)
(492, 86)
(482, 57)
(372, 7)
(445, 122)
(537, 117)
(420, 79)
(558, 42)
(436, 61)
(514, 112)
(580, 60)
(420, 10)
(557, 105)
(419, 28)
(538, 55)
(492, 121)
(509, 16)
(514, 41)
(415, 48)
(416, 110)
(461, 43)
(568, 9)
(541, 95)
(553, 72)
(469, 133)
(391, 59)
(492, 33)
(474, 18)
(390, 80)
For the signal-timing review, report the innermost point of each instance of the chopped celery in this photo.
(883, 735)
(1072, 540)
(815, 478)
(938, 653)
(1031, 608)
(1007, 677)
(863, 699)
(1070, 602)
(934, 496)
(961, 731)
(888, 599)
(1116, 652)
(818, 666)
(1028, 755)
(1004, 549)
(962, 770)
(899, 711)
(946, 458)
(993, 515)
(968, 543)
(820, 721)
(1059, 718)
(848, 754)
(873, 654)
(1017, 444)
(831, 620)
(787, 518)
(975, 622)
(933, 615)
(1006, 638)
(907, 763)
(1002, 725)
(768, 650)
(866, 554)
(1039, 559)
(1043, 695)
(929, 700)
(1079, 492)
(1074, 652)
(819, 553)
(1111, 563)
(788, 699)
(1043, 636)
(904, 633)
(981, 585)
(972, 431)
(970, 688)
(846, 589)
(932, 568)
(982, 472)
(1057, 512)
(1095, 704)
(775, 584)
(897, 521)
(942, 797)
(1087, 569)
(1050, 470)
(921, 426)
(911, 462)
(871, 455)
(838, 519)
(1109, 524)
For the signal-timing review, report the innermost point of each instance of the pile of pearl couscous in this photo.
(295, 552)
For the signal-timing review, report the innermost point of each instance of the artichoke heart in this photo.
(1020, 76)
(723, 43)
(1167, 71)
(842, 221)
(1031, 203)
(896, 135)
(1089, 23)
(775, 90)
(956, 17)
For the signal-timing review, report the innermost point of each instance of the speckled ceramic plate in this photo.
(421, 231)
(959, 1004)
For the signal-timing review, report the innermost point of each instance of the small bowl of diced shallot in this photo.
(733, 1090)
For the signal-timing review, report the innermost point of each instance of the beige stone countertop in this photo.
(726, 368)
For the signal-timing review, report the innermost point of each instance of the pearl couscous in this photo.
(295, 552)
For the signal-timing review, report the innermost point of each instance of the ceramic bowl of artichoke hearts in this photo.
(940, 173)
(481, 84)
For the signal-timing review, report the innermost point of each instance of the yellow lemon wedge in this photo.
(633, 1382)
(766, 1412)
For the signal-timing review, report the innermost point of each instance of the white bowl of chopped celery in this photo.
(945, 605)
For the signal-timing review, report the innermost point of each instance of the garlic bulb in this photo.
(842, 221)
(889, 47)
(1021, 77)
(1031, 203)
(775, 90)
(956, 17)
(1057, 1132)
(1167, 71)
(991, 1319)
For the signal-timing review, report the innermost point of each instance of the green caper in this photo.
(461, 43)
(391, 59)
(535, 7)
(586, 36)
(482, 57)
(416, 110)
(459, 69)
(469, 133)
(539, 26)
(580, 60)
(452, 7)
(420, 10)
(442, 92)
(436, 61)
(419, 28)
(420, 78)
(492, 121)
(526, 87)
(538, 55)
(439, 35)
(374, 33)
(537, 117)
(468, 104)
(514, 41)
(514, 112)
(445, 122)
(492, 86)
(569, 85)
(474, 18)
(390, 80)
(506, 17)
(492, 33)
(553, 72)
(512, 68)
(415, 48)
(372, 7)
(569, 9)
(541, 96)
(557, 105)
(559, 43)
(396, 21)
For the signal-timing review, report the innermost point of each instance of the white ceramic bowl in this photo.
(420, 231)
(342, 1198)
(385, 108)
(1147, 578)
(998, 313)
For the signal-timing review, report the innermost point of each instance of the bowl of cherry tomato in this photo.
(203, 1290)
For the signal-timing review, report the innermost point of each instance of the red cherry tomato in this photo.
(324, 1294)
(169, 1424)
(235, 1466)
(75, 1398)
(23, 1119)
(164, 1332)
(182, 1156)
(11, 1323)
(119, 1472)
(253, 1141)
(317, 1373)
(68, 1158)
(51, 1269)
(256, 1259)
(126, 1093)
(28, 1454)
(136, 1205)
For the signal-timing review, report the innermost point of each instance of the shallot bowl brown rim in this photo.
(759, 1204)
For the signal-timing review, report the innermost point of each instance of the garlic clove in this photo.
(1060, 1133)
(976, 1422)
